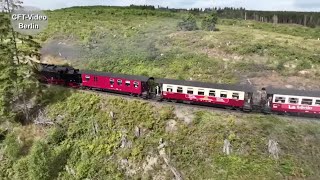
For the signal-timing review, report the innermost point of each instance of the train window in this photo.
(190, 91)
(87, 78)
(223, 94)
(136, 84)
(293, 100)
(119, 81)
(280, 100)
(212, 93)
(128, 83)
(306, 101)
(201, 92)
(112, 81)
(95, 78)
(318, 102)
(180, 90)
(169, 89)
(235, 95)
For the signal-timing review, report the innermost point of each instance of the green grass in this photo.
(148, 42)
(87, 141)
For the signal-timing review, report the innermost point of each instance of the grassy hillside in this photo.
(148, 42)
(88, 136)
(87, 142)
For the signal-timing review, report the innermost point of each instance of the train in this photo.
(245, 97)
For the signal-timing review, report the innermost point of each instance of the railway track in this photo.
(195, 106)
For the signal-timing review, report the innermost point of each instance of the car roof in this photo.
(116, 75)
(293, 92)
(234, 87)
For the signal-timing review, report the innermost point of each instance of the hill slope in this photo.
(148, 42)
(109, 137)
(89, 136)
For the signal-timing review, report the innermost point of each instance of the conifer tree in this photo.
(209, 22)
(17, 83)
(188, 24)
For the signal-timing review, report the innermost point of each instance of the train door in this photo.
(248, 102)
(154, 89)
(95, 81)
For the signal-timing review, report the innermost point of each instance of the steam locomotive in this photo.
(242, 97)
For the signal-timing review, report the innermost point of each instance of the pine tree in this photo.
(17, 82)
(188, 24)
(209, 22)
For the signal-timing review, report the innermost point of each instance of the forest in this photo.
(310, 19)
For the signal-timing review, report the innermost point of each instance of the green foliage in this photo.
(86, 142)
(209, 22)
(57, 135)
(16, 80)
(299, 31)
(304, 65)
(12, 147)
(188, 24)
(21, 169)
(40, 161)
(146, 42)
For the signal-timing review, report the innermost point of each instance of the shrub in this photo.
(188, 24)
(40, 161)
(21, 169)
(209, 22)
(13, 147)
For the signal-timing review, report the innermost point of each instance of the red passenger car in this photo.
(295, 101)
(205, 93)
(120, 83)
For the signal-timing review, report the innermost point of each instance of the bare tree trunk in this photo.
(26, 110)
(16, 55)
(275, 19)
(305, 20)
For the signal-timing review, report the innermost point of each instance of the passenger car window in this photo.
(112, 81)
(293, 100)
(223, 94)
(318, 102)
(201, 92)
(212, 93)
(180, 90)
(190, 91)
(235, 95)
(119, 81)
(87, 78)
(169, 89)
(128, 83)
(136, 84)
(280, 100)
(306, 101)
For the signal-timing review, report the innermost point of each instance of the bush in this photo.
(13, 147)
(21, 169)
(188, 24)
(40, 161)
(209, 22)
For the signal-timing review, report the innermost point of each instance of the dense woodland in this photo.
(310, 19)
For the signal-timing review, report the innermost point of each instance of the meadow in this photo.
(99, 140)
(148, 42)
(91, 136)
